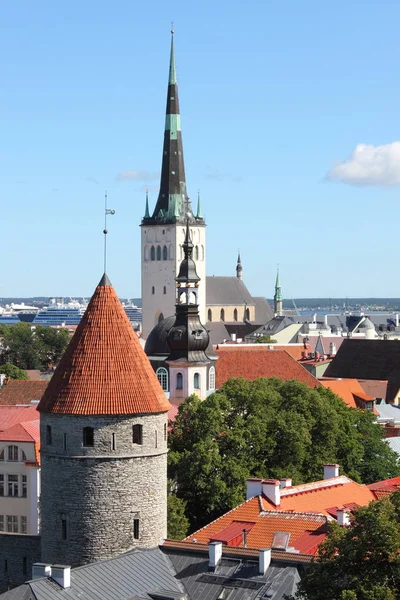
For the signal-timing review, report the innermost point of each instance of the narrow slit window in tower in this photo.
(65, 441)
(153, 290)
(88, 436)
(152, 253)
(114, 441)
(165, 253)
(156, 438)
(137, 434)
(24, 566)
(64, 529)
(49, 437)
(165, 289)
(209, 315)
(165, 432)
(235, 315)
(136, 529)
(158, 252)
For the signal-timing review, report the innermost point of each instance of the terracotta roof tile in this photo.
(251, 363)
(385, 487)
(22, 432)
(265, 524)
(12, 415)
(19, 391)
(104, 369)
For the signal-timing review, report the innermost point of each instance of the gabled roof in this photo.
(104, 369)
(227, 291)
(319, 496)
(251, 362)
(263, 310)
(12, 415)
(19, 391)
(265, 523)
(349, 390)
(22, 432)
(368, 359)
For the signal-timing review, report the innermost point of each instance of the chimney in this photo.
(233, 337)
(254, 488)
(332, 349)
(286, 482)
(244, 538)
(62, 575)
(40, 570)
(397, 319)
(343, 517)
(316, 355)
(264, 560)
(215, 554)
(331, 471)
(270, 489)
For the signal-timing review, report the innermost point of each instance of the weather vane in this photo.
(107, 211)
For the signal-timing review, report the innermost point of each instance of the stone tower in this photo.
(103, 429)
(163, 231)
(191, 369)
(278, 303)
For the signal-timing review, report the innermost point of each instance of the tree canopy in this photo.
(30, 347)
(13, 372)
(268, 428)
(265, 339)
(359, 562)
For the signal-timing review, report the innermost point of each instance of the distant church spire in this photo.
(278, 304)
(147, 213)
(172, 198)
(239, 268)
(198, 213)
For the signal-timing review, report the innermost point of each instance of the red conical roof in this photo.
(104, 370)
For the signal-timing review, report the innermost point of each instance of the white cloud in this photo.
(137, 175)
(369, 165)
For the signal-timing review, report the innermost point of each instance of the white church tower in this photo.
(163, 231)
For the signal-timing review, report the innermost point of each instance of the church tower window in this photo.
(179, 381)
(235, 315)
(137, 434)
(153, 253)
(162, 376)
(196, 381)
(209, 315)
(158, 252)
(211, 378)
(222, 314)
(165, 253)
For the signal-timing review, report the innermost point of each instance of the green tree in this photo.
(13, 372)
(178, 523)
(359, 562)
(268, 428)
(30, 347)
(265, 339)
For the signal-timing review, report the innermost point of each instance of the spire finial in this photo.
(172, 68)
(172, 28)
(107, 211)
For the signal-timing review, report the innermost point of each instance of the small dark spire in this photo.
(104, 281)
(239, 268)
(198, 214)
(187, 270)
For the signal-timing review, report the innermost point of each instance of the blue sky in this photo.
(290, 117)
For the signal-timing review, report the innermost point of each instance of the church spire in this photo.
(278, 304)
(198, 213)
(172, 203)
(147, 213)
(239, 268)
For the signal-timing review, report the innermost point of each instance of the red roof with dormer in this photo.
(104, 370)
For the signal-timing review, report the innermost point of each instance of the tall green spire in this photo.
(172, 67)
(147, 213)
(278, 290)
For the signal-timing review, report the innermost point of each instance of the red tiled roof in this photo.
(22, 432)
(19, 391)
(104, 369)
(251, 363)
(325, 340)
(385, 487)
(231, 532)
(12, 415)
(264, 525)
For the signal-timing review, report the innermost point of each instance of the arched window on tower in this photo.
(162, 376)
(196, 381)
(179, 381)
(209, 315)
(88, 436)
(202, 252)
(158, 252)
(247, 314)
(165, 289)
(196, 253)
(165, 253)
(235, 315)
(152, 253)
(161, 318)
(222, 314)
(211, 378)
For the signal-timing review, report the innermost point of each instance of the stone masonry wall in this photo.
(17, 555)
(98, 490)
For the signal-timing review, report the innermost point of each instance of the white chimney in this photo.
(397, 319)
(343, 518)
(264, 560)
(214, 554)
(326, 320)
(286, 482)
(331, 471)
(40, 570)
(332, 349)
(62, 575)
(254, 488)
(270, 489)
(233, 337)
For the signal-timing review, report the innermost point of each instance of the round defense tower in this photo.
(103, 443)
